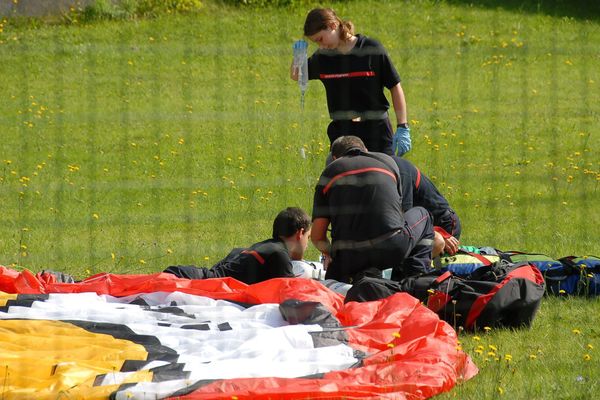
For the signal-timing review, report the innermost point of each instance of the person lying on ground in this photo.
(360, 195)
(271, 258)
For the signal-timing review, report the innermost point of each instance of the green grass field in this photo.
(128, 146)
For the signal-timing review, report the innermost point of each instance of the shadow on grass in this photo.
(579, 9)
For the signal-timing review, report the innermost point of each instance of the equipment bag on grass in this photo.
(581, 277)
(466, 260)
(558, 276)
(501, 295)
(543, 262)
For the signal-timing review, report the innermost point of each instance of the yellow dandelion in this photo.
(95, 216)
(390, 345)
(397, 335)
(587, 357)
(508, 357)
(500, 391)
(532, 356)
(142, 261)
(589, 346)
(487, 328)
(576, 331)
(169, 251)
(492, 347)
(476, 338)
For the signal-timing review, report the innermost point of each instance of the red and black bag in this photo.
(503, 294)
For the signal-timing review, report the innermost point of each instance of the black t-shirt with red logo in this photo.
(355, 81)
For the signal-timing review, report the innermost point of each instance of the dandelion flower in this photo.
(587, 357)
(576, 331)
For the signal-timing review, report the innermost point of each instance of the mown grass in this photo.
(556, 359)
(128, 146)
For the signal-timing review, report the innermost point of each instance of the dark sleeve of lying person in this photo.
(261, 261)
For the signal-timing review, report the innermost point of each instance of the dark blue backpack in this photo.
(582, 277)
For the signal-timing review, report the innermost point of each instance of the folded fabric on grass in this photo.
(158, 336)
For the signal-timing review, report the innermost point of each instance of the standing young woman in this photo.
(354, 70)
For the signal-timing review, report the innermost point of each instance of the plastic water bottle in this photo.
(301, 63)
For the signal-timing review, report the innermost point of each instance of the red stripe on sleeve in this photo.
(418, 182)
(255, 254)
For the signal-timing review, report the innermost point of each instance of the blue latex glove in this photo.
(300, 45)
(401, 143)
